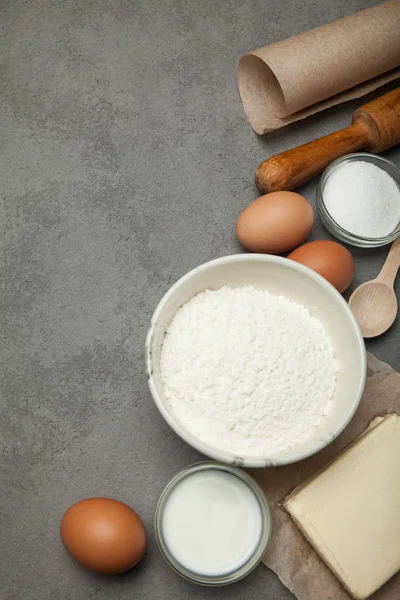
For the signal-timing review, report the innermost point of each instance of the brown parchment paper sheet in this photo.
(309, 72)
(289, 554)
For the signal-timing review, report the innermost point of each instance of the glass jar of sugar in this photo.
(212, 524)
(358, 200)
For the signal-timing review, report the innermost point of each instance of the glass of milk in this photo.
(212, 524)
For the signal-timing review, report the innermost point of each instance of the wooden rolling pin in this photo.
(375, 128)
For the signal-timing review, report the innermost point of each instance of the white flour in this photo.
(248, 372)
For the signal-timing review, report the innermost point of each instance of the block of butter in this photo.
(350, 511)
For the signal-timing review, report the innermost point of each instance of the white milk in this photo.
(211, 522)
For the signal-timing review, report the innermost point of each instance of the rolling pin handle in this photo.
(290, 169)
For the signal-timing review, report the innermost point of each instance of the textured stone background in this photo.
(125, 161)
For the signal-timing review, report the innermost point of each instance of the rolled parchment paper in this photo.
(309, 72)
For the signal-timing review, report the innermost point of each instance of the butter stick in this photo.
(350, 511)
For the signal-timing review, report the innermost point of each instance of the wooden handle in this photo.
(292, 168)
(383, 120)
(389, 270)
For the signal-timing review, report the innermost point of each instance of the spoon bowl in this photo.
(374, 305)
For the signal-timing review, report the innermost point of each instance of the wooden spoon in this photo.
(374, 303)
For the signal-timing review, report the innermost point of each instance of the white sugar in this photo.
(363, 199)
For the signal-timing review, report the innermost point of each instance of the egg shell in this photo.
(103, 535)
(275, 223)
(330, 259)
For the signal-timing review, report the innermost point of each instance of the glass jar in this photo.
(251, 561)
(333, 227)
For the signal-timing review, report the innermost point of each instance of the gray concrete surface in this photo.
(125, 161)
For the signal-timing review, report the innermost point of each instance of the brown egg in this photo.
(329, 259)
(275, 223)
(103, 535)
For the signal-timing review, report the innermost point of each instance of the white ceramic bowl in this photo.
(282, 277)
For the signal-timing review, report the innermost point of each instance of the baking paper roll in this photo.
(294, 78)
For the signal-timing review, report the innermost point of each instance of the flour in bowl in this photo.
(248, 372)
